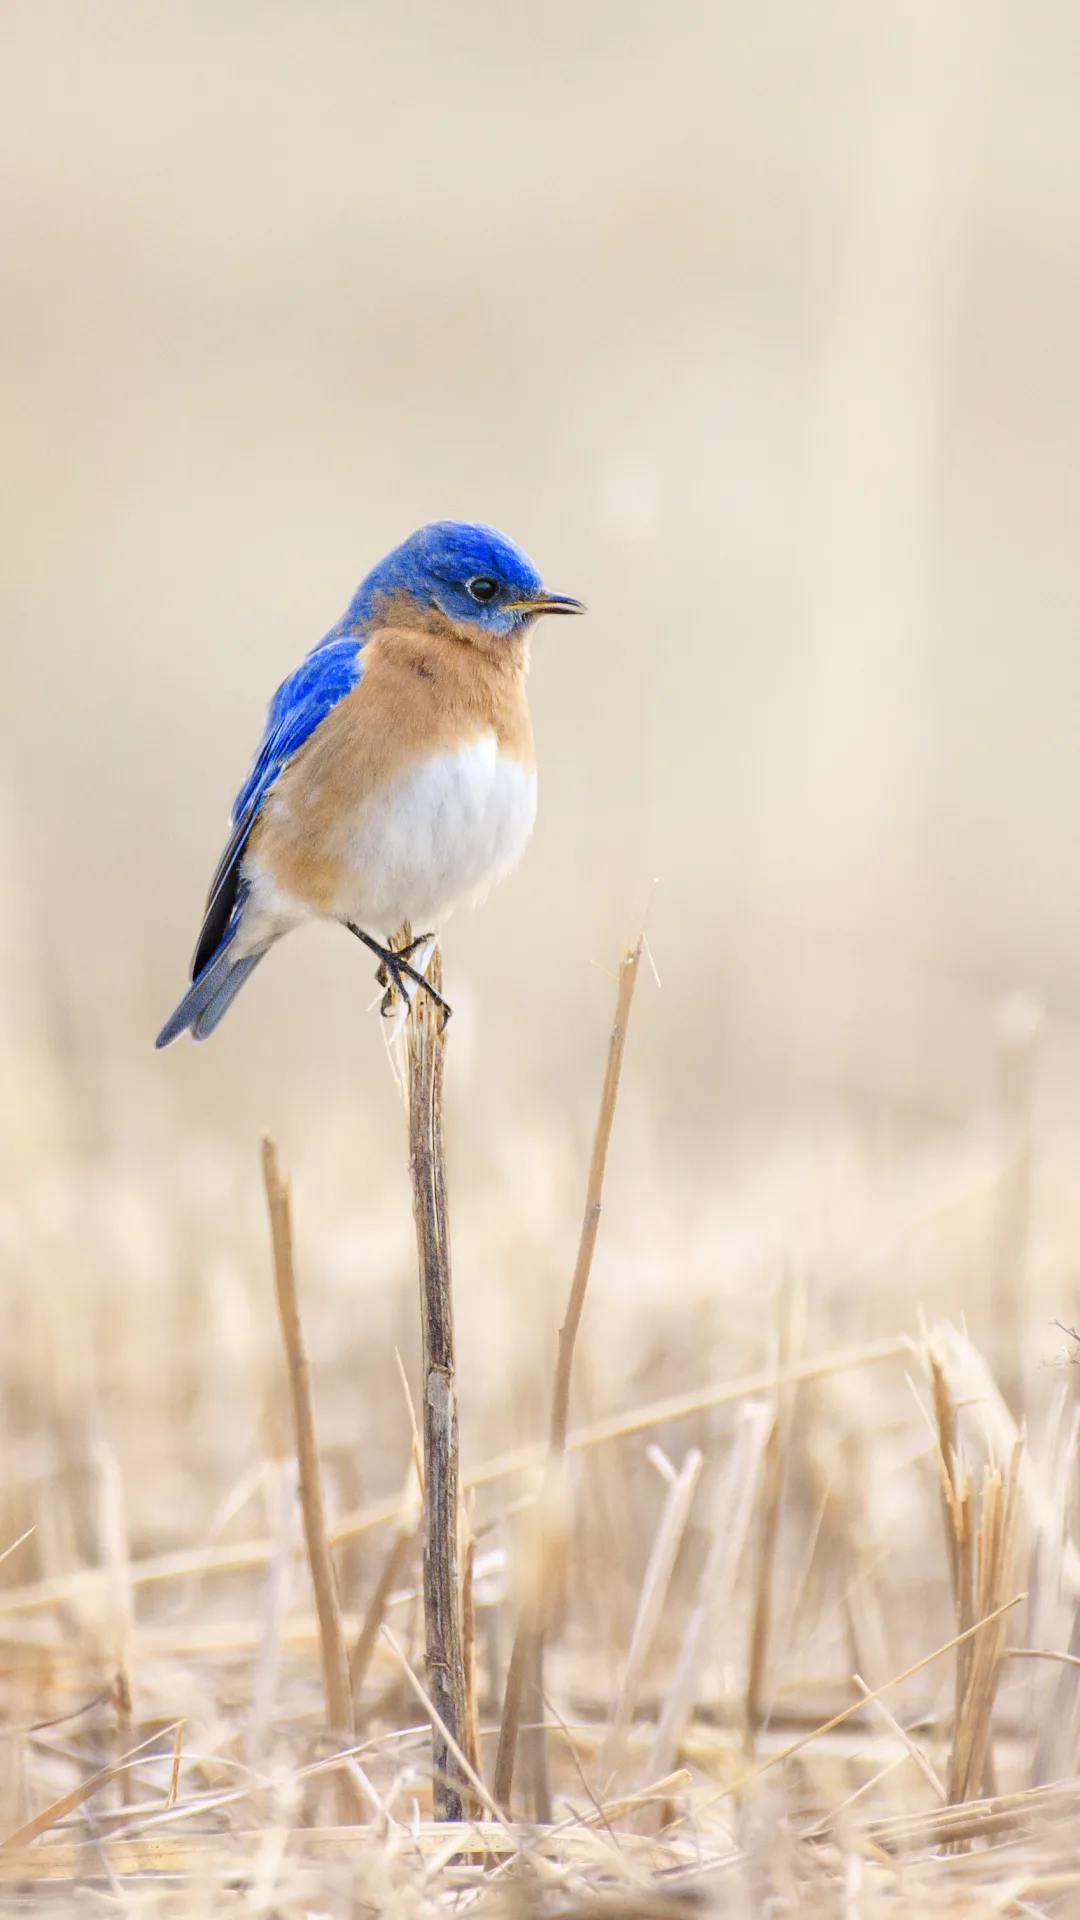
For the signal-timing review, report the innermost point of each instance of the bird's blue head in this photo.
(474, 576)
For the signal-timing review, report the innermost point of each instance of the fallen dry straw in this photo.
(245, 1556)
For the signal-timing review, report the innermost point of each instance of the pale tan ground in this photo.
(756, 324)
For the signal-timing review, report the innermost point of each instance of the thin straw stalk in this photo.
(526, 1670)
(335, 1664)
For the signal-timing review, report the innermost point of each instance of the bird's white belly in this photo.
(438, 836)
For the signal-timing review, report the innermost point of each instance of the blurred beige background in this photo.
(755, 324)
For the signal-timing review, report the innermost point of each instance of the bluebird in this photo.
(396, 776)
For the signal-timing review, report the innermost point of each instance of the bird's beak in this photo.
(546, 603)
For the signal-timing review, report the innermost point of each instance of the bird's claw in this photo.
(394, 970)
(395, 988)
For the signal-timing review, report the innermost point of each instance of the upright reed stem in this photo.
(426, 1049)
(525, 1675)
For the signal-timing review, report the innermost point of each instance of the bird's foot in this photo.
(383, 976)
(406, 952)
(394, 970)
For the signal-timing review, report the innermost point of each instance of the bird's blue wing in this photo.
(300, 703)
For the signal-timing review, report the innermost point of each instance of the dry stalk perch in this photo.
(525, 1677)
(425, 1048)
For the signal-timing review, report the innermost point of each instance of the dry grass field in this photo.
(756, 325)
(793, 1493)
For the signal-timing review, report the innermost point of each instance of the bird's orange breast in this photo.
(422, 693)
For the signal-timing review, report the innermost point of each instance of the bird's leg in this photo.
(395, 967)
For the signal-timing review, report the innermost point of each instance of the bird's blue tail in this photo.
(210, 995)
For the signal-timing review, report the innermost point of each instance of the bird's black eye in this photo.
(482, 588)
